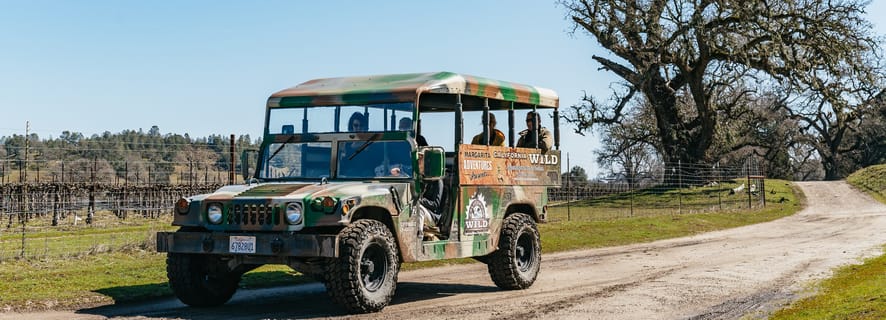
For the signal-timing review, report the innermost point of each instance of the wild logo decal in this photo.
(477, 220)
(544, 159)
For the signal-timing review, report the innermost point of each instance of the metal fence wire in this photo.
(674, 188)
(55, 219)
(54, 209)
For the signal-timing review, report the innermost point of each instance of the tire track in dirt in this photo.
(762, 302)
(725, 274)
(543, 309)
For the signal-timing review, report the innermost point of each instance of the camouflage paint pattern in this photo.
(510, 180)
(479, 212)
(272, 198)
(406, 87)
(485, 199)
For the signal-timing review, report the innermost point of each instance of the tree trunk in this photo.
(680, 143)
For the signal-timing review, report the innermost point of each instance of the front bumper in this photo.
(280, 245)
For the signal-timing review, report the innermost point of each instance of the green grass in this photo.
(121, 276)
(871, 180)
(65, 242)
(585, 230)
(663, 201)
(855, 291)
(135, 273)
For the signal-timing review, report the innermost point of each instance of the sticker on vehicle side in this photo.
(477, 217)
(241, 244)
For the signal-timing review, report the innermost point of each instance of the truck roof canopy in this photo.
(407, 87)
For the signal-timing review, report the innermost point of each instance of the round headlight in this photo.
(214, 213)
(181, 206)
(293, 213)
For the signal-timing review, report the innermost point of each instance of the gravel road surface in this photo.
(726, 274)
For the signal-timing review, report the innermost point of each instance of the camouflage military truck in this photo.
(345, 189)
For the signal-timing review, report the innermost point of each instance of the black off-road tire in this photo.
(200, 280)
(322, 270)
(364, 277)
(516, 263)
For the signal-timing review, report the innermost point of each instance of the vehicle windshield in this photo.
(369, 156)
(296, 160)
(374, 159)
(328, 119)
(356, 160)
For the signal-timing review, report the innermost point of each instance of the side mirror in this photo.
(432, 162)
(244, 163)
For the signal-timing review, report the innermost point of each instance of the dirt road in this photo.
(718, 275)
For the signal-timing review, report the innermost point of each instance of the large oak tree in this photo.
(678, 55)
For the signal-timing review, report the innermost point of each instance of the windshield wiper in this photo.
(288, 140)
(365, 145)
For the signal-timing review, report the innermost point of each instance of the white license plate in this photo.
(241, 244)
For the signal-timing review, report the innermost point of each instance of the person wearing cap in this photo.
(535, 132)
(498, 138)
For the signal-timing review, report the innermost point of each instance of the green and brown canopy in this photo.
(409, 87)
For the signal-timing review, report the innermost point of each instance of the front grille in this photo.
(253, 215)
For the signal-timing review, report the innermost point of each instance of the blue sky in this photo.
(204, 67)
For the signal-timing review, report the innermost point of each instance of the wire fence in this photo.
(41, 242)
(70, 201)
(99, 171)
(62, 219)
(57, 208)
(669, 189)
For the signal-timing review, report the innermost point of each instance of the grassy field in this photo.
(70, 241)
(856, 291)
(871, 180)
(674, 202)
(134, 273)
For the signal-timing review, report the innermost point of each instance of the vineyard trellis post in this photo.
(55, 206)
(90, 213)
(25, 202)
(231, 164)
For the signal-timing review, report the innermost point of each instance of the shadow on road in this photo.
(421, 291)
(125, 294)
(299, 301)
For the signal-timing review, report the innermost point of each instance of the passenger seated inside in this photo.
(357, 122)
(356, 157)
(405, 124)
(497, 137)
(535, 136)
(397, 162)
(430, 207)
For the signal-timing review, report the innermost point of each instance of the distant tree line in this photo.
(116, 155)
